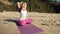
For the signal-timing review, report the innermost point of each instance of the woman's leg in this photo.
(22, 22)
(29, 21)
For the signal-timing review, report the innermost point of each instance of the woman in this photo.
(23, 13)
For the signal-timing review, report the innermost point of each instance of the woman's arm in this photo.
(18, 4)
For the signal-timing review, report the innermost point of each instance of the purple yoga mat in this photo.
(29, 29)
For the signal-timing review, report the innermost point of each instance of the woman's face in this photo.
(24, 5)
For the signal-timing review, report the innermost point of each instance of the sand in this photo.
(49, 22)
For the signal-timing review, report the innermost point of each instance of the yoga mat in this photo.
(29, 29)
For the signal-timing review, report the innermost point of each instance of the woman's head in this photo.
(24, 4)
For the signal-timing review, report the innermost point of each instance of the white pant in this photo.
(23, 15)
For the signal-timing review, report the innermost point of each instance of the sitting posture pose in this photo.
(23, 13)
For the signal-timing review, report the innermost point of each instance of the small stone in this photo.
(1, 11)
(4, 23)
(58, 24)
(54, 21)
(52, 24)
(44, 24)
(59, 19)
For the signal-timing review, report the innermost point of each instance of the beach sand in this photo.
(49, 22)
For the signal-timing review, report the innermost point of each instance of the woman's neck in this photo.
(23, 8)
